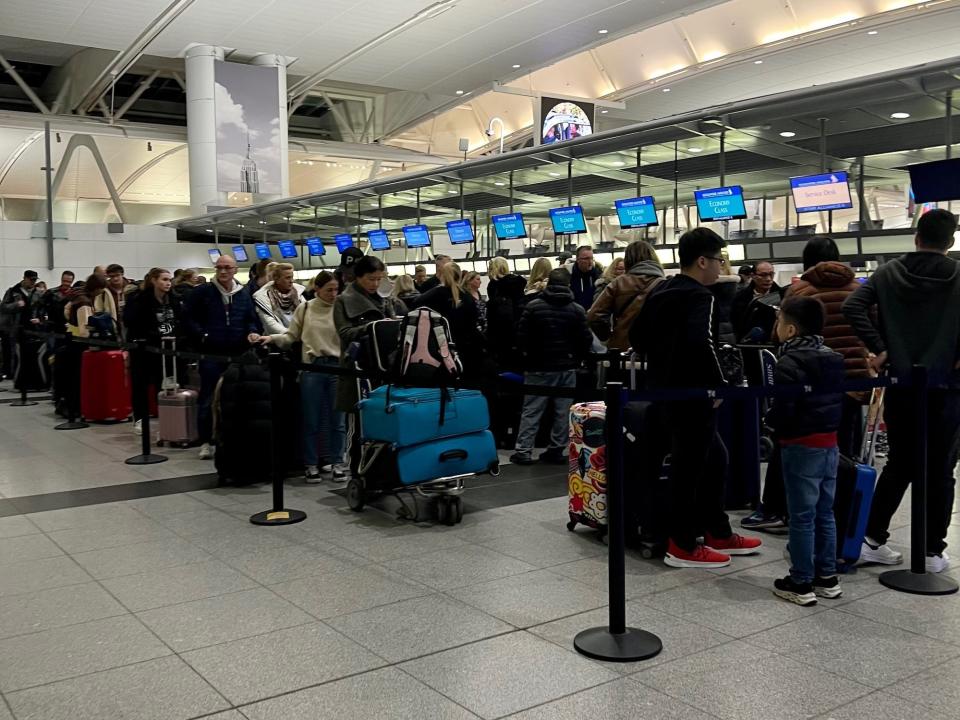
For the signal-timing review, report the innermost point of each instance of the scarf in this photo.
(802, 341)
(283, 303)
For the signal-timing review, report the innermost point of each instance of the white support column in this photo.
(202, 128)
(280, 63)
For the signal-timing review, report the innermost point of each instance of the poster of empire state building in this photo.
(248, 128)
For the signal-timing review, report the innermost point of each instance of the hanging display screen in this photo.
(509, 227)
(315, 246)
(378, 239)
(240, 253)
(813, 193)
(637, 212)
(263, 251)
(935, 181)
(564, 120)
(568, 220)
(460, 231)
(287, 249)
(343, 241)
(214, 255)
(416, 236)
(725, 203)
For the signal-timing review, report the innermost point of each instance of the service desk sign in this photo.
(813, 193)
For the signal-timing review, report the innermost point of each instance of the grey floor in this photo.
(175, 607)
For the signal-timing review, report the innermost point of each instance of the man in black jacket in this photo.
(675, 333)
(917, 301)
(583, 278)
(555, 339)
(434, 280)
(18, 312)
(754, 305)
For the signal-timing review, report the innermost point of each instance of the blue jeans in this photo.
(535, 405)
(321, 423)
(810, 480)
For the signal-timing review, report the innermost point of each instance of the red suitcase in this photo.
(104, 386)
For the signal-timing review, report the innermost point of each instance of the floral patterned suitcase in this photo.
(588, 478)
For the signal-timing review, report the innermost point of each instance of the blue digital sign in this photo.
(637, 212)
(315, 246)
(343, 241)
(509, 227)
(287, 249)
(568, 220)
(813, 193)
(240, 253)
(725, 203)
(214, 255)
(460, 231)
(417, 236)
(263, 251)
(378, 239)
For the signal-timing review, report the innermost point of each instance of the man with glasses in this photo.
(754, 305)
(675, 333)
(218, 317)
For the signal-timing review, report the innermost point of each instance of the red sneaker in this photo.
(701, 557)
(734, 545)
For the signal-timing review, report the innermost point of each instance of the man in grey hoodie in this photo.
(917, 299)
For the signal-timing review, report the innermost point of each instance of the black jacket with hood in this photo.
(584, 285)
(553, 332)
(806, 360)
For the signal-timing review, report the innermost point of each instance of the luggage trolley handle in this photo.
(169, 384)
(868, 447)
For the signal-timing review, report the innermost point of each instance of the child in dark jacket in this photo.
(806, 427)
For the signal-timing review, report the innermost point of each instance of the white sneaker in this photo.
(880, 554)
(138, 427)
(206, 452)
(312, 475)
(327, 469)
(938, 563)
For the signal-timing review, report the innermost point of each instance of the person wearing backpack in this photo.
(461, 311)
(555, 340)
(359, 305)
(615, 309)
(504, 307)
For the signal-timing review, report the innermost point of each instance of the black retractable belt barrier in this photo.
(145, 457)
(917, 580)
(279, 515)
(23, 401)
(616, 642)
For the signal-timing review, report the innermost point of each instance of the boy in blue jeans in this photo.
(806, 427)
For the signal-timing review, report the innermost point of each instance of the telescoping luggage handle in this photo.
(868, 448)
(169, 384)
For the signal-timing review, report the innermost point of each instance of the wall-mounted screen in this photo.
(315, 246)
(935, 181)
(240, 253)
(378, 239)
(813, 193)
(214, 254)
(564, 120)
(637, 212)
(509, 227)
(416, 236)
(287, 249)
(460, 231)
(725, 203)
(343, 241)
(568, 220)
(263, 251)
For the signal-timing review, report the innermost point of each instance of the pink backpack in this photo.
(427, 355)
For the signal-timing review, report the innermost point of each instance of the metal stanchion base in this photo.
(23, 403)
(601, 644)
(919, 583)
(146, 459)
(278, 517)
(74, 425)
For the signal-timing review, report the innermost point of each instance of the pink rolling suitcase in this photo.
(177, 406)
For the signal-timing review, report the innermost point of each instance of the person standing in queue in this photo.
(675, 333)
(584, 277)
(359, 305)
(437, 279)
(219, 317)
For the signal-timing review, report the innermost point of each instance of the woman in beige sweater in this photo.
(323, 426)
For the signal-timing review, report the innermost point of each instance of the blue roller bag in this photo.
(446, 457)
(851, 507)
(409, 416)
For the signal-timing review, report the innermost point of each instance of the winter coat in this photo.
(745, 316)
(220, 321)
(273, 323)
(146, 318)
(807, 361)
(352, 312)
(553, 332)
(620, 303)
(832, 283)
(725, 291)
(11, 315)
(505, 303)
(584, 284)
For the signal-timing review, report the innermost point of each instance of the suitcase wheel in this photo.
(572, 525)
(449, 510)
(356, 497)
(766, 448)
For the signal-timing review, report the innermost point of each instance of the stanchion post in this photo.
(616, 642)
(145, 457)
(23, 401)
(279, 515)
(917, 580)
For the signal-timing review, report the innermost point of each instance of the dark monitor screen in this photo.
(416, 236)
(343, 241)
(287, 249)
(263, 251)
(378, 239)
(315, 246)
(214, 254)
(816, 193)
(637, 212)
(240, 253)
(568, 220)
(935, 181)
(460, 231)
(725, 203)
(509, 227)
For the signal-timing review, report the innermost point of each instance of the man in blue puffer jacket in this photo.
(218, 317)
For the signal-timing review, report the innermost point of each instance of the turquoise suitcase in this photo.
(447, 457)
(410, 416)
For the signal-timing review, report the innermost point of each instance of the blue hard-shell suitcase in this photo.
(413, 415)
(447, 457)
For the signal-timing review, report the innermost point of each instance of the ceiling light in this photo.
(263, 222)
(516, 67)
(758, 62)
(666, 89)
(872, 32)
(459, 92)
(695, 149)
(209, 230)
(604, 111)
(900, 115)
(499, 184)
(619, 163)
(554, 174)
(787, 133)
(602, 32)
(453, 192)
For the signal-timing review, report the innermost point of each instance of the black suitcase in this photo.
(646, 479)
(244, 428)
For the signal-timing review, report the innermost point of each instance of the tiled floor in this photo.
(176, 607)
